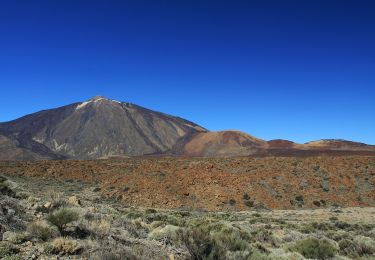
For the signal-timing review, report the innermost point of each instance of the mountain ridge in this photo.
(105, 128)
(98, 127)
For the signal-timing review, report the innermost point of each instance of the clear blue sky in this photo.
(297, 70)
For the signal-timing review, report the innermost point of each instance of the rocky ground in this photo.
(49, 218)
(220, 184)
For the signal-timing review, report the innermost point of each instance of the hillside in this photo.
(97, 128)
(235, 143)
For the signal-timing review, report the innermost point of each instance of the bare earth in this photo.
(220, 183)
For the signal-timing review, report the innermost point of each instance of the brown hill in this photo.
(282, 144)
(223, 143)
(236, 143)
(339, 144)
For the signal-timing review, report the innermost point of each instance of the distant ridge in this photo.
(236, 143)
(105, 128)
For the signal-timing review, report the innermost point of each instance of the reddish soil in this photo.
(220, 183)
(235, 143)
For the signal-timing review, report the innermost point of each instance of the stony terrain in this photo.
(46, 218)
(220, 183)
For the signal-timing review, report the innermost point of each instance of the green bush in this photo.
(249, 203)
(41, 231)
(7, 250)
(198, 242)
(66, 246)
(11, 257)
(150, 211)
(224, 243)
(315, 248)
(202, 244)
(61, 217)
(3, 179)
(364, 245)
(18, 237)
(348, 247)
(360, 246)
(6, 190)
(114, 254)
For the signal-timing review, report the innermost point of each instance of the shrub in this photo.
(246, 196)
(56, 198)
(315, 248)
(201, 244)
(364, 245)
(6, 190)
(3, 179)
(6, 250)
(11, 257)
(198, 242)
(333, 218)
(224, 243)
(264, 235)
(232, 202)
(134, 215)
(17, 237)
(134, 228)
(348, 247)
(170, 219)
(165, 233)
(249, 203)
(113, 254)
(316, 203)
(61, 217)
(41, 230)
(98, 228)
(150, 211)
(65, 246)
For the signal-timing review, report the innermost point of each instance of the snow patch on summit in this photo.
(94, 100)
(83, 104)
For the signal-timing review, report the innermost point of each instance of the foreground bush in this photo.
(97, 228)
(113, 254)
(7, 250)
(41, 230)
(65, 246)
(6, 190)
(315, 248)
(198, 242)
(17, 237)
(364, 245)
(201, 244)
(61, 217)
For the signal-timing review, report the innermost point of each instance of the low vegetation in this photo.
(61, 217)
(315, 248)
(78, 223)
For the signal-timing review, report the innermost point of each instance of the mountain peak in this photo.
(96, 128)
(98, 97)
